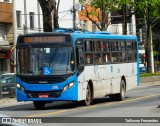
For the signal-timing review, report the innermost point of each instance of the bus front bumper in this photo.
(69, 95)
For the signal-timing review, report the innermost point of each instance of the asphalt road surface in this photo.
(142, 103)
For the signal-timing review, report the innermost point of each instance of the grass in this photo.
(150, 74)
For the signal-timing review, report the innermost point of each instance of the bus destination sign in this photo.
(44, 39)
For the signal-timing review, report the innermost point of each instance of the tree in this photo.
(105, 6)
(127, 9)
(149, 10)
(49, 6)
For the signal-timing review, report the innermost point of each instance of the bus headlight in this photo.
(68, 86)
(20, 87)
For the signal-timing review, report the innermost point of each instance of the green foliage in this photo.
(155, 53)
(149, 74)
(148, 8)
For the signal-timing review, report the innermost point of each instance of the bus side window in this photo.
(80, 56)
(97, 46)
(115, 57)
(123, 56)
(97, 59)
(121, 46)
(106, 58)
(130, 46)
(89, 58)
(113, 46)
(88, 46)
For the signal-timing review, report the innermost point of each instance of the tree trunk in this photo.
(124, 16)
(149, 49)
(47, 21)
(47, 6)
(56, 25)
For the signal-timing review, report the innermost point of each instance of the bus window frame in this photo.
(132, 50)
(88, 52)
(118, 49)
(107, 51)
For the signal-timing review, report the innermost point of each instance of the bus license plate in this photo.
(5, 92)
(43, 95)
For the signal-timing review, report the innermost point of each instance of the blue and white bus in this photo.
(75, 67)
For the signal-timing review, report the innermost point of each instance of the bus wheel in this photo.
(39, 105)
(88, 99)
(121, 95)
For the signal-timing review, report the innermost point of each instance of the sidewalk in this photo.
(143, 81)
(7, 101)
(150, 80)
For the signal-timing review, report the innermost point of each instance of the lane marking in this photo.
(50, 113)
(91, 107)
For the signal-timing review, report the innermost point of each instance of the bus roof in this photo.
(102, 35)
(87, 35)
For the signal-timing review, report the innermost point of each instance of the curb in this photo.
(149, 79)
(7, 102)
(150, 83)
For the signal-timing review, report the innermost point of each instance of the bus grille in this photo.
(51, 94)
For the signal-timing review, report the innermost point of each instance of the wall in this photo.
(31, 6)
(6, 12)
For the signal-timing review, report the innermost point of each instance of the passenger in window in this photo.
(114, 57)
(89, 58)
(122, 57)
(98, 59)
(98, 46)
(41, 71)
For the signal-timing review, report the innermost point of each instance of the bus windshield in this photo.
(45, 61)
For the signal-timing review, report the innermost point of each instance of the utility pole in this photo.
(25, 18)
(74, 15)
(152, 57)
(14, 31)
(38, 10)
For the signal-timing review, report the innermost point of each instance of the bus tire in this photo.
(121, 95)
(88, 99)
(39, 105)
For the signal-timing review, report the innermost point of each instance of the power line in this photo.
(64, 15)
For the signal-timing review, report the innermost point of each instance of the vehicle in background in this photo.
(142, 61)
(143, 70)
(8, 81)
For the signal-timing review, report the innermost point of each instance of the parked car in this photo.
(143, 69)
(8, 82)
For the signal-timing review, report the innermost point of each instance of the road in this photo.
(140, 102)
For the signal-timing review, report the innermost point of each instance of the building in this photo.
(6, 34)
(28, 16)
(28, 20)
